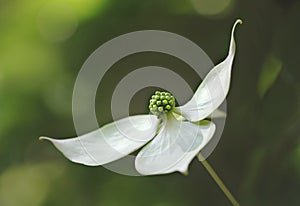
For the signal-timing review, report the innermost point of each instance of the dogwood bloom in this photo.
(169, 138)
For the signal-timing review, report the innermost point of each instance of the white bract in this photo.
(171, 136)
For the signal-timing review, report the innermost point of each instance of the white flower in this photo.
(171, 136)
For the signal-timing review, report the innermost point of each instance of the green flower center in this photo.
(161, 102)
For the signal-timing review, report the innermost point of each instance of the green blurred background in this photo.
(43, 45)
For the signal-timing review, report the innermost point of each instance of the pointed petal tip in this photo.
(44, 138)
(185, 172)
(41, 138)
(239, 21)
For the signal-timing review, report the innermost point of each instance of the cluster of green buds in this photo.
(161, 102)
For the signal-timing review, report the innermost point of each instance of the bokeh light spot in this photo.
(211, 7)
(57, 21)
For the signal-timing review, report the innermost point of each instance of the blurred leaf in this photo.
(296, 159)
(268, 75)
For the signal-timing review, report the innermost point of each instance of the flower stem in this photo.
(217, 179)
